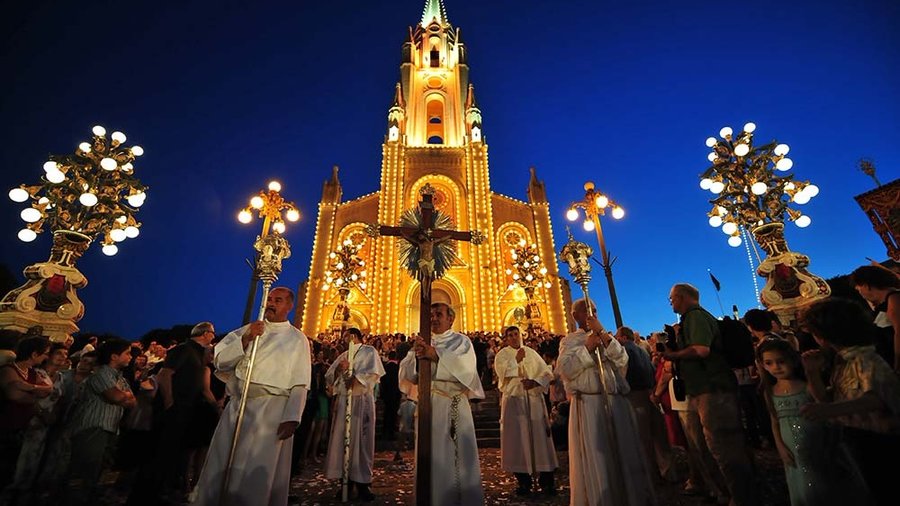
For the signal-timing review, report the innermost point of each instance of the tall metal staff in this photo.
(576, 255)
(272, 249)
(523, 375)
(348, 385)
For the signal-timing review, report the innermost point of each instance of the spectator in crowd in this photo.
(881, 289)
(813, 458)
(59, 437)
(137, 442)
(714, 416)
(319, 400)
(95, 421)
(640, 375)
(863, 394)
(181, 389)
(21, 388)
(763, 324)
(34, 437)
(390, 395)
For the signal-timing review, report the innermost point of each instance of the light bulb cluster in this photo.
(345, 268)
(748, 190)
(527, 270)
(272, 208)
(594, 204)
(93, 192)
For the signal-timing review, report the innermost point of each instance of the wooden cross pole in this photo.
(426, 237)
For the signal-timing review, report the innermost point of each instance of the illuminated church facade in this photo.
(434, 136)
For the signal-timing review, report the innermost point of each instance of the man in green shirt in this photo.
(713, 422)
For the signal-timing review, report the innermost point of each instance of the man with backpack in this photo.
(711, 386)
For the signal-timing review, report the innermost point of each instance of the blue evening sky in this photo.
(224, 96)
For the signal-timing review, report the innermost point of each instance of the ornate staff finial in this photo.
(273, 248)
(576, 254)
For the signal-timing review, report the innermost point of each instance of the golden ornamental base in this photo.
(48, 299)
(533, 313)
(789, 285)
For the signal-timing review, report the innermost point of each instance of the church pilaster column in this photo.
(315, 300)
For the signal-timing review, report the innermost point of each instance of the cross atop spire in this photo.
(434, 9)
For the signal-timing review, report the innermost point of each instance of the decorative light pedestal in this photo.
(48, 298)
(91, 194)
(341, 314)
(533, 312)
(752, 194)
(789, 285)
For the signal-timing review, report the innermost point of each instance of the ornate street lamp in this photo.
(273, 210)
(90, 194)
(594, 206)
(751, 194)
(528, 272)
(345, 270)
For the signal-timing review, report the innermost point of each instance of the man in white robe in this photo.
(526, 447)
(261, 471)
(367, 371)
(607, 466)
(455, 469)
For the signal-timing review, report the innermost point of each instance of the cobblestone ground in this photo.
(393, 483)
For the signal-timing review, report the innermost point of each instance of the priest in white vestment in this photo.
(526, 445)
(261, 471)
(455, 469)
(366, 372)
(607, 466)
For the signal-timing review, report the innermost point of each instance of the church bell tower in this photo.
(434, 135)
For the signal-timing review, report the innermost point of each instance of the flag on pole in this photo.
(715, 281)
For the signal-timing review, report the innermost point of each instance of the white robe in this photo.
(590, 454)
(261, 472)
(517, 438)
(367, 369)
(455, 468)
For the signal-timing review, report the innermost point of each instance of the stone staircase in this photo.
(486, 414)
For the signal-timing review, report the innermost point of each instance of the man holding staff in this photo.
(606, 464)
(525, 442)
(360, 380)
(455, 470)
(261, 468)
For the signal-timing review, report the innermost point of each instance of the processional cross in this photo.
(426, 255)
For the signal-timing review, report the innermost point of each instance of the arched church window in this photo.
(435, 58)
(434, 110)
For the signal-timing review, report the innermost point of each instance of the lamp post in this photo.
(528, 272)
(594, 206)
(345, 270)
(750, 194)
(273, 210)
(90, 194)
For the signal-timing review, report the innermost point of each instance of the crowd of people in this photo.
(823, 392)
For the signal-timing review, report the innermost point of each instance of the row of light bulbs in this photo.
(258, 202)
(341, 273)
(525, 260)
(55, 175)
(798, 192)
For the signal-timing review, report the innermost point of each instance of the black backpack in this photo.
(736, 344)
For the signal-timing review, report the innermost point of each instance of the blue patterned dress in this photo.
(823, 472)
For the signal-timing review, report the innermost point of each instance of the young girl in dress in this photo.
(814, 461)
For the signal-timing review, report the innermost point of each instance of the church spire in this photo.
(434, 9)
